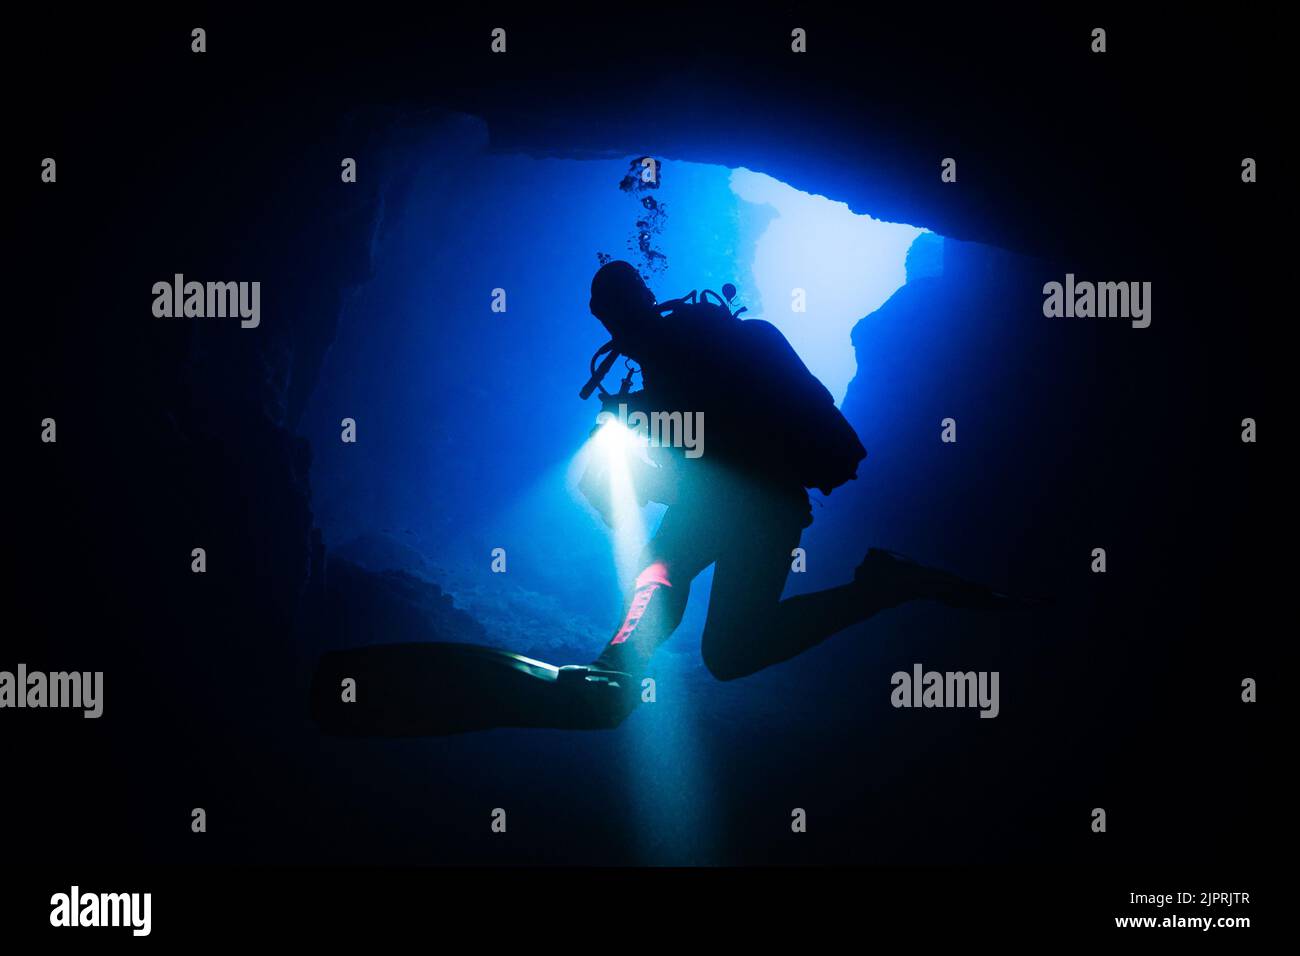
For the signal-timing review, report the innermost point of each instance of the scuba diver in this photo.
(773, 431)
(738, 501)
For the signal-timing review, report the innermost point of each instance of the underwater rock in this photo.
(386, 607)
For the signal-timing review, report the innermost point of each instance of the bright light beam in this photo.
(611, 451)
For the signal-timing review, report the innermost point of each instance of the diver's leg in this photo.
(682, 547)
(739, 634)
(750, 628)
(653, 613)
(887, 575)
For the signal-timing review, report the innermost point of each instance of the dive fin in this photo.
(434, 689)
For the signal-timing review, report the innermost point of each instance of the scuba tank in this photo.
(706, 305)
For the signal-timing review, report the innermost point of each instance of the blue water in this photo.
(468, 422)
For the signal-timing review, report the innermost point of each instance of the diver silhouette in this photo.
(773, 431)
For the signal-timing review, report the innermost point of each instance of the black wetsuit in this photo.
(741, 504)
